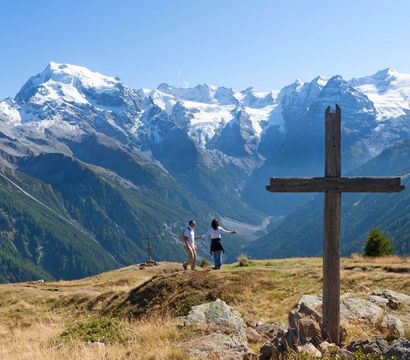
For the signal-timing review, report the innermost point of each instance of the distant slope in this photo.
(61, 218)
(301, 233)
(37, 243)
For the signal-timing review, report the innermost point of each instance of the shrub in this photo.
(204, 263)
(103, 329)
(243, 260)
(378, 244)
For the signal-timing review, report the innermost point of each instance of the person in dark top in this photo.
(214, 233)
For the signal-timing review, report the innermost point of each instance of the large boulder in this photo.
(226, 336)
(353, 308)
(219, 316)
(306, 317)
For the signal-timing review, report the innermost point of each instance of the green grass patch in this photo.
(102, 329)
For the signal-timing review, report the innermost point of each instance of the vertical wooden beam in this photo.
(331, 245)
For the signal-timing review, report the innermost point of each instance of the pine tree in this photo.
(378, 244)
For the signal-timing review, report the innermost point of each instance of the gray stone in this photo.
(96, 344)
(328, 348)
(308, 305)
(219, 315)
(346, 354)
(378, 300)
(392, 327)
(393, 295)
(309, 350)
(399, 350)
(271, 331)
(369, 346)
(360, 309)
(306, 317)
(216, 345)
(226, 338)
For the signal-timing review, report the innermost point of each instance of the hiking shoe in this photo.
(185, 266)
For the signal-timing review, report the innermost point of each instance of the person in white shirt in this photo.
(189, 245)
(214, 233)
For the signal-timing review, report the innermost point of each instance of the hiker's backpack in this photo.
(182, 236)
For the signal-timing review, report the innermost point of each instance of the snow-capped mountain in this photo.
(115, 162)
(388, 90)
(250, 133)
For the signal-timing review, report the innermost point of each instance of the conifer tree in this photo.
(378, 244)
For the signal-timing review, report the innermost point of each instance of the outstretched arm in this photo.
(227, 231)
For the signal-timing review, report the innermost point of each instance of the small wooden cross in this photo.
(333, 185)
(149, 246)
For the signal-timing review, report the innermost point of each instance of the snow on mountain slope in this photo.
(9, 112)
(73, 100)
(208, 108)
(389, 91)
(64, 82)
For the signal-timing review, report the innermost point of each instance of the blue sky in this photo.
(261, 43)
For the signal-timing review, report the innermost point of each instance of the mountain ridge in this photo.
(169, 154)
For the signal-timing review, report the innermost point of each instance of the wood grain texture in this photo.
(333, 166)
(336, 184)
(331, 268)
(331, 230)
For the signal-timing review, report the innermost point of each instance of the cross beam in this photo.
(336, 184)
(333, 185)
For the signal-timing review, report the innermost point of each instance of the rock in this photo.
(306, 317)
(271, 331)
(393, 304)
(401, 299)
(227, 340)
(378, 300)
(328, 348)
(309, 328)
(360, 309)
(251, 323)
(217, 314)
(372, 346)
(253, 336)
(399, 350)
(216, 346)
(59, 346)
(346, 354)
(309, 350)
(96, 344)
(308, 305)
(392, 327)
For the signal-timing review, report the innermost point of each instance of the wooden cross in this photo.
(149, 247)
(333, 185)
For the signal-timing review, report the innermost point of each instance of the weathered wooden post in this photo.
(331, 229)
(333, 185)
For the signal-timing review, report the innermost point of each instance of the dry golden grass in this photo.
(33, 315)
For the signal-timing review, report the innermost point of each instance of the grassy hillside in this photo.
(133, 309)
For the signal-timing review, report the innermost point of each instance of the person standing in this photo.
(217, 248)
(189, 245)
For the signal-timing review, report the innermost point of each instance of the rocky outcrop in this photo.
(226, 338)
(382, 310)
